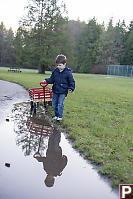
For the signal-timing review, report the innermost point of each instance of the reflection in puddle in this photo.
(35, 135)
(47, 165)
(54, 162)
(32, 132)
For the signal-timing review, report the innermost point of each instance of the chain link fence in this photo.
(120, 70)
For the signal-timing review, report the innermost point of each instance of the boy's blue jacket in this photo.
(62, 81)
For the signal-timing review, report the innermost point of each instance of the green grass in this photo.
(98, 117)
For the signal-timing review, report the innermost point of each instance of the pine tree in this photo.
(6, 46)
(43, 21)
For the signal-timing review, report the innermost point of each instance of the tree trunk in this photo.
(42, 69)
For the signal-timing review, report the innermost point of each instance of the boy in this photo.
(63, 83)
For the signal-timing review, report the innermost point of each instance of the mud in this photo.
(36, 159)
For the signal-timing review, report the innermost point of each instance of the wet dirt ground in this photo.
(36, 159)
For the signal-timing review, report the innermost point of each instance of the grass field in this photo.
(98, 117)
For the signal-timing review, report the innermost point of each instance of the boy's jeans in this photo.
(58, 104)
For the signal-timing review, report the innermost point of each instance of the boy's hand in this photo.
(70, 91)
(37, 154)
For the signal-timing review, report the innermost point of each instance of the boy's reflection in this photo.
(54, 162)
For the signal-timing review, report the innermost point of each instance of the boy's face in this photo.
(61, 66)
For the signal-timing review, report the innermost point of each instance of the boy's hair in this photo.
(61, 59)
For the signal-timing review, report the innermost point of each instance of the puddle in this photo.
(42, 162)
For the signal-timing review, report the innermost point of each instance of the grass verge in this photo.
(98, 117)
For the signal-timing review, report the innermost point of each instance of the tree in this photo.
(75, 29)
(111, 48)
(128, 46)
(18, 44)
(6, 46)
(87, 46)
(43, 21)
(128, 55)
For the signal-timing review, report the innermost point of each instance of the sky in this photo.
(12, 10)
(103, 10)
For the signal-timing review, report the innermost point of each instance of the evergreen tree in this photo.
(111, 44)
(44, 21)
(6, 46)
(128, 46)
(75, 29)
(87, 46)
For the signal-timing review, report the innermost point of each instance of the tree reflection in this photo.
(32, 131)
(34, 135)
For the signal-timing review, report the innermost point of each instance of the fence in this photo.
(120, 70)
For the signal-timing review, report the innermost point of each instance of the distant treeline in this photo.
(45, 32)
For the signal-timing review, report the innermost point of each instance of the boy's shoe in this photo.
(55, 118)
(59, 118)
